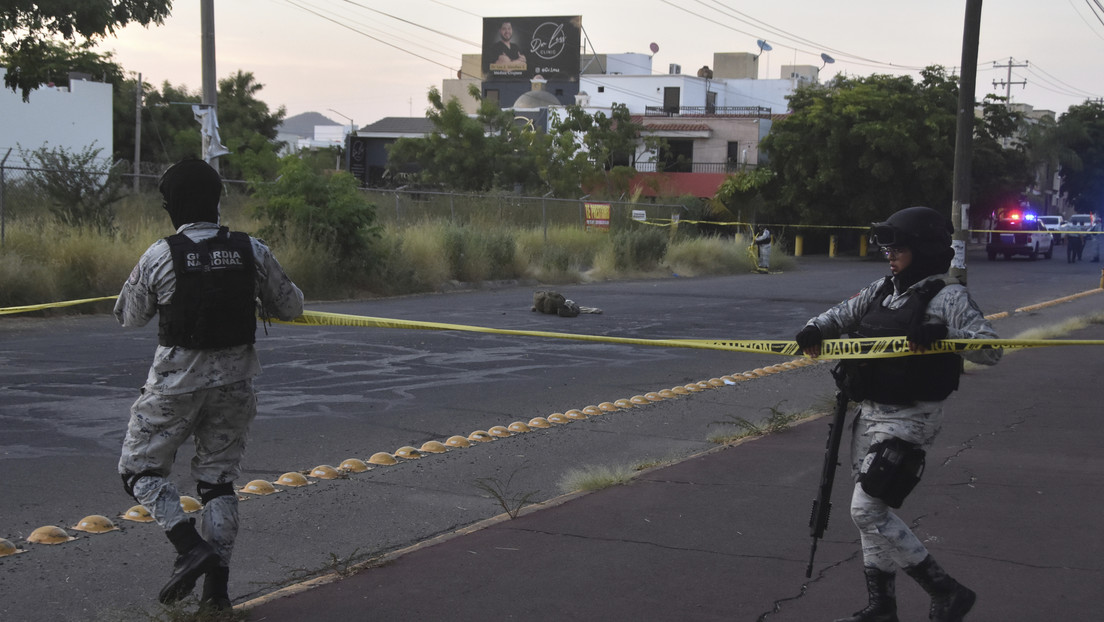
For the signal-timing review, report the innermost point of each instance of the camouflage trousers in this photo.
(218, 420)
(887, 542)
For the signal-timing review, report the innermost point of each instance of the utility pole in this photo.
(137, 132)
(1007, 84)
(964, 135)
(207, 58)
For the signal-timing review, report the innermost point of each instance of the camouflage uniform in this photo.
(887, 541)
(207, 394)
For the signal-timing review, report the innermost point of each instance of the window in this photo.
(671, 99)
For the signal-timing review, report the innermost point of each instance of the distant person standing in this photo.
(206, 284)
(1074, 243)
(763, 246)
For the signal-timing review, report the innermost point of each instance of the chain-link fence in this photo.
(29, 192)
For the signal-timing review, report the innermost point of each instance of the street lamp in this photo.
(352, 125)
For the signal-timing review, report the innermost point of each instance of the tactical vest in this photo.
(214, 302)
(901, 380)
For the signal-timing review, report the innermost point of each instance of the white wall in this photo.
(637, 92)
(74, 119)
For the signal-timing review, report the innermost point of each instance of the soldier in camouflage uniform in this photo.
(901, 401)
(204, 283)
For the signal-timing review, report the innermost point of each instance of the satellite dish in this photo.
(654, 47)
(828, 60)
(763, 45)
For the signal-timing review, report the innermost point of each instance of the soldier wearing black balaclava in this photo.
(901, 401)
(204, 283)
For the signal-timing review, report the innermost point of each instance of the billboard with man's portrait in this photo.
(517, 48)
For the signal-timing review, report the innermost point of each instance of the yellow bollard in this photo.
(862, 246)
(799, 245)
(831, 246)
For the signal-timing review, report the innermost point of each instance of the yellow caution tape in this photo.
(871, 347)
(51, 305)
(867, 347)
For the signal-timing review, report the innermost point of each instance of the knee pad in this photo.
(208, 491)
(130, 479)
(891, 470)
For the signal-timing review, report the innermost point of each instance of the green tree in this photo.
(463, 152)
(247, 128)
(57, 59)
(326, 211)
(860, 148)
(495, 150)
(27, 30)
(170, 132)
(1082, 133)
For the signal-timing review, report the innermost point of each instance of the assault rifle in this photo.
(822, 505)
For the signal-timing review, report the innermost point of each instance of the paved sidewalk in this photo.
(1010, 505)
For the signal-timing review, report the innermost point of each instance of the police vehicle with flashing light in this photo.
(1019, 233)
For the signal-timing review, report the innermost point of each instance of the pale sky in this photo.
(367, 59)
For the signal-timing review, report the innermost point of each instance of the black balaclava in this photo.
(191, 191)
(925, 232)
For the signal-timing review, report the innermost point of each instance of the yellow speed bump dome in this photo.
(518, 427)
(293, 479)
(95, 523)
(680, 391)
(382, 458)
(558, 418)
(639, 400)
(7, 548)
(715, 382)
(607, 407)
(353, 465)
(49, 534)
(434, 447)
(539, 422)
(704, 385)
(138, 514)
(652, 396)
(666, 394)
(325, 471)
(575, 414)
(259, 487)
(623, 403)
(692, 387)
(408, 452)
(590, 411)
(480, 436)
(500, 431)
(457, 441)
(190, 504)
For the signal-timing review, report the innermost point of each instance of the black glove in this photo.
(809, 337)
(925, 335)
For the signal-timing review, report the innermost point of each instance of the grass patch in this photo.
(737, 428)
(43, 261)
(591, 478)
(512, 502)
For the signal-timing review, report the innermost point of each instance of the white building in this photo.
(74, 118)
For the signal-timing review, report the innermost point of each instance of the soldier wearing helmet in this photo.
(900, 400)
(205, 283)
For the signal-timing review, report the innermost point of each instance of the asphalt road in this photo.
(330, 393)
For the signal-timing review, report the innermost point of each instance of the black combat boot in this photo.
(195, 558)
(950, 600)
(216, 593)
(882, 605)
